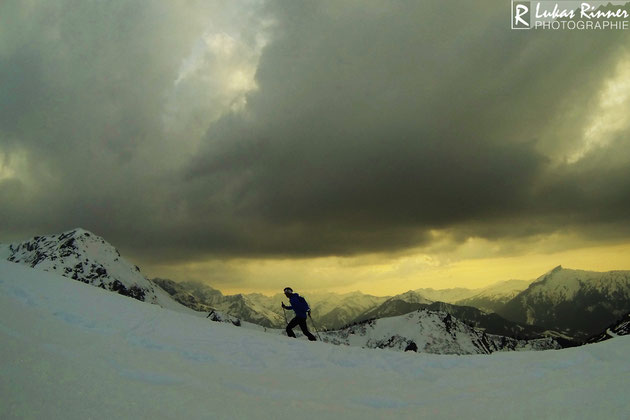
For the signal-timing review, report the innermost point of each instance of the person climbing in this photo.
(301, 309)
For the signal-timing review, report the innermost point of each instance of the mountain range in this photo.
(333, 311)
(570, 305)
(563, 304)
(431, 331)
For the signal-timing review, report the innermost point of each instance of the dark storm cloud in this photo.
(390, 121)
(596, 189)
(373, 123)
(83, 87)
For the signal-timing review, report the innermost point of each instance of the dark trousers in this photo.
(302, 323)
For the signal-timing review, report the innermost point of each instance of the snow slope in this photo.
(71, 351)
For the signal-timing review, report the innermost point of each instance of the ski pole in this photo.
(286, 323)
(314, 326)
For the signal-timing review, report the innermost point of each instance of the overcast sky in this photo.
(331, 145)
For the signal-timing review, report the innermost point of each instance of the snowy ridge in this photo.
(504, 288)
(73, 352)
(446, 295)
(427, 331)
(498, 291)
(501, 290)
(491, 298)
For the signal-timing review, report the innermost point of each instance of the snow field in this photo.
(71, 351)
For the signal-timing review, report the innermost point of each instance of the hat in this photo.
(288, 289)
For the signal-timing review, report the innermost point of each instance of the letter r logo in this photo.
(520, 14)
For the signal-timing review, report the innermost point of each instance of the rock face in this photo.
(621, 327)
(425, 331)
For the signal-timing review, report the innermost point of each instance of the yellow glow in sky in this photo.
(380, 275)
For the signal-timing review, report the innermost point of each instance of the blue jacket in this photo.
(299, 305)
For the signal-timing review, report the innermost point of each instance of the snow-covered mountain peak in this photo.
(562, 284)
(549, 274)
(578, 303)
(569, 281)
(84, 256)
(52, 252)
